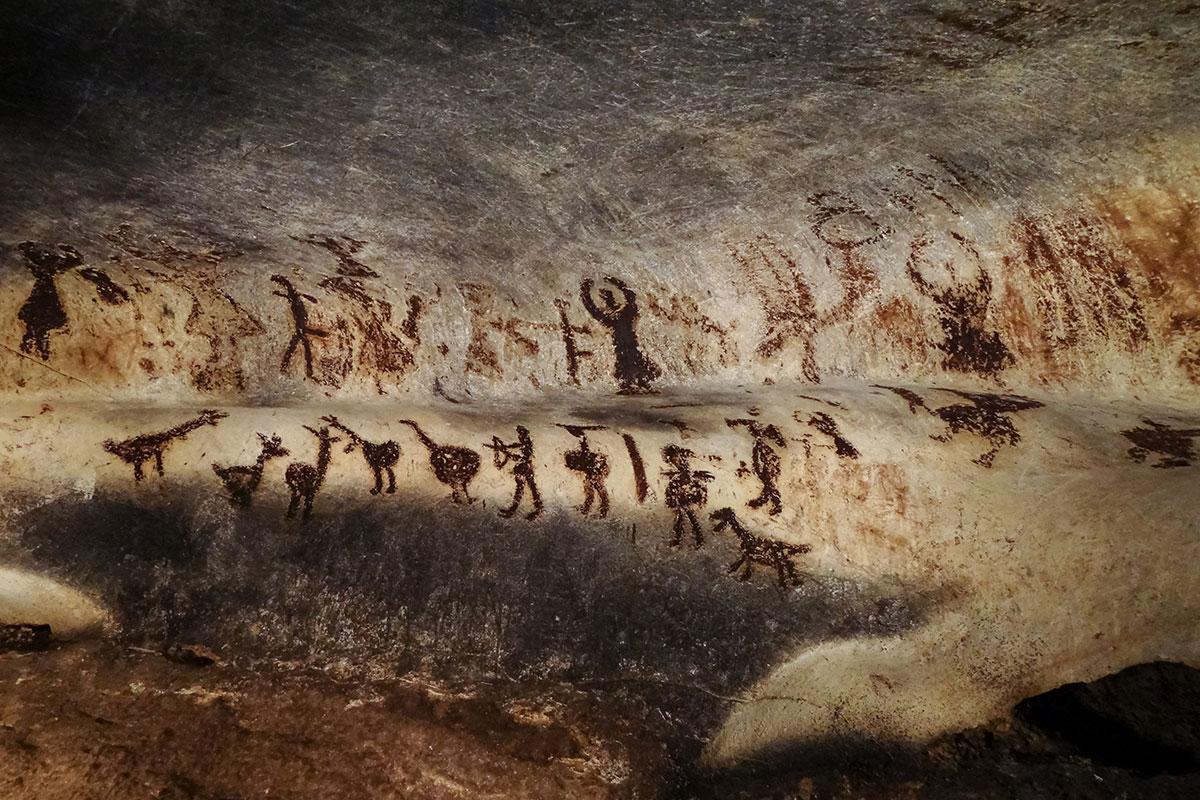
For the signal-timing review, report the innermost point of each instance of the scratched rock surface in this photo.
(815, 373)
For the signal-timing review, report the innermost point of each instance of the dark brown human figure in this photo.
(304, 480)
(43, 312)
(454, 466)
(242, 481)
(764, 461)
(380, 456)
(520, 453)
(757, 550)
(634, 371)
(1174, 445)
(140, 449)
(591, 466)
(686, 492)
(303, 332)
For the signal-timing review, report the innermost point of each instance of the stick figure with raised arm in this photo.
(634, 370)
(302, 332)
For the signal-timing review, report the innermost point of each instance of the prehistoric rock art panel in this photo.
(687, 492)
(634, 370)
(381, 457)
(828, 426)
(304, 480)
(377, 350)
(569, 331)
(344, 249)
(43, 312)
(140, 449)
(520, 453)
(592, 467)
(303, 332)
(487, 319)
(764, 461)
(107, 289)
(702, 342)
(453, 466)
(241, 482)
(1174, 446)
(785, 294)
(214, 316)
(962, 309)
(770, 553)
(985, 415)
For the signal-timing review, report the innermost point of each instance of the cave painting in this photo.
(241, 482)
(302, 332)
(454, 466)
(43, 312)
(640, 484)
(686, 492)
(1174, 446)
(592, 468)
(985, 415)
(520, 454)
(140, 449)
(304, 480)
(568, 330)
(828, 426)
(633, 369)
(962, 310)
(344, 249)
(764, 461)
(381, 457)
(756, 550)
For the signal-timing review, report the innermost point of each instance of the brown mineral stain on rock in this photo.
(1161, 229)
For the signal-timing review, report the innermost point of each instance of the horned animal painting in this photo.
(242, 481)
(304, 480)
(145, 447)
(381, 457)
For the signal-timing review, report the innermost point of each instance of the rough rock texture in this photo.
(820, 374)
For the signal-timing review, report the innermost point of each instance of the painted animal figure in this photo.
(242, 481)
(686, 492)
(985, 415)
(381, 457)
(1173, 445)
(140, 449)
(757, 550)
(304, 480)
(454, 466)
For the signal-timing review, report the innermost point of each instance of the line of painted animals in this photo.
(456, 466)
